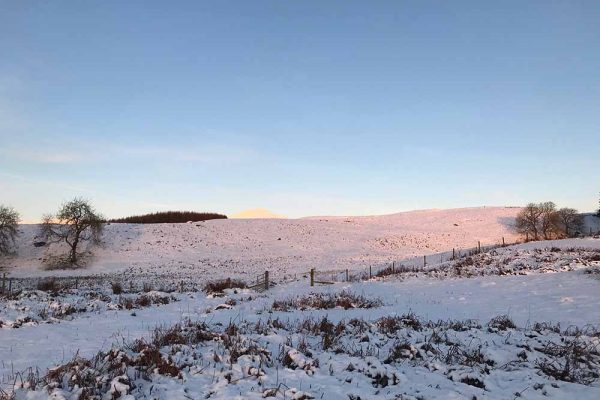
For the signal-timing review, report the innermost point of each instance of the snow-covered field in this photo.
(516, 322)
(244, 345)
(284, 246)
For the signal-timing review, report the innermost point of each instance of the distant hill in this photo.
(165, 217)
(256, 213)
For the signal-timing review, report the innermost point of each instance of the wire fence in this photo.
(413, 264)
(128, 283)
(10, 286)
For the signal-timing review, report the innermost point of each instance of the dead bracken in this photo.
(326, 301)
(459, 351)
(219, 286)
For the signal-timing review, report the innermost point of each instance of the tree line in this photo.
(164, 217)
(544, 221)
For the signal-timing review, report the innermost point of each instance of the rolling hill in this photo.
(288, 245)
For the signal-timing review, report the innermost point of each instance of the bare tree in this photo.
(548, 219)
(528, 221)
(75, 222)
(569, 222)
(543, 221)
(9, 223)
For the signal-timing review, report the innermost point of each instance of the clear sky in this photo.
(300, 107)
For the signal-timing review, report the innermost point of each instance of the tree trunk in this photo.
(73, 252)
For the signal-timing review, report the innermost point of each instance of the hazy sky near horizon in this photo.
(303, 108)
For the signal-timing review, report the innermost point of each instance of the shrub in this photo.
(543, 326)
(388, 325)
(345, 300)
(126, 303)
(117, 288)
(575, 361)
(78, 372)
(188, 333)
(143, 301)
(151, 360)
(593, 257)
(48, 285)
(501, 323)
(220, 285)
(391, 324)
(396, 270)
(402, 350)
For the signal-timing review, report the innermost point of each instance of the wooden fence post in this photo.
(453, 255)
(3, 282)
(503, 244)
(312, 277)
(424, 261)
(10, 287)
(370, 271)
(266, 280)
(393, 267)
(347, 277)
(478, 246)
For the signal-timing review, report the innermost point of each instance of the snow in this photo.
(567, 298)
(243, 247)
(369, 376)
(554, 282)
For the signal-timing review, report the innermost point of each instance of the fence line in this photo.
(133, 284)
(413, 264)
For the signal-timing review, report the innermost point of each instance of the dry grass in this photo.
(142, 301)
(116, 287)
(392, 340)
(220, 285)
(48, 285)
(572, 361)
(501, 323)
(327, 301)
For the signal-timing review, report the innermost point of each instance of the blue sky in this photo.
(304, 108)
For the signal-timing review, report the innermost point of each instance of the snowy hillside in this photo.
(281, 245)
